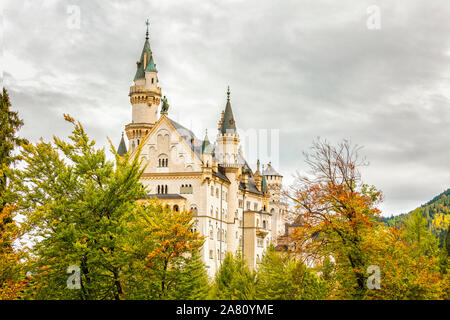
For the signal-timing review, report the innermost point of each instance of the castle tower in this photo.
(145, 97)
(274, 182)
(227, 138)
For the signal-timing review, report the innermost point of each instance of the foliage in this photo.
(234, 280)
(281, 276)
(12, 280)
(437, 215)
(166, 248)
(337, 211)
(75, 201)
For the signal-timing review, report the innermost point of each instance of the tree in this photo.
(166, 247)
(281, 276)
(193, 282)
(418, 236)
(336, 210)
(12, 279)
(10, 124)
(234, 280)
(405, 274)
(75, 202)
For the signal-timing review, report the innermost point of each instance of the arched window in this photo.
(163, 161)
(175, 208)
(212, 191)
(159, 189)
(212, 211)
(264, 224)
(165, 189)
(194, 209)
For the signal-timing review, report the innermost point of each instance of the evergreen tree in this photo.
(10, 124)
(11, 269)
(419, 236)
(193, 282)
(234, 280)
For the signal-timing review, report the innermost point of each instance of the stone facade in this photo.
(235, 207)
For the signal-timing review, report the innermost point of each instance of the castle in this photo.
(235, 207)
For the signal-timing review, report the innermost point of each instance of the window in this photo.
(194, 209)
(211, 233)
(264, 224)
(217, 213)
(211, 254)
(241, 203)
(255, 206)
(175, 208)
(248, 205)
(163, 161)
(212, 211)
(217, 192)
(162, 189)
(212, 191)
(186, 189)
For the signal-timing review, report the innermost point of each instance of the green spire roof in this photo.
(228, 125)
(147, 55)
(206, 145)
(122, 147)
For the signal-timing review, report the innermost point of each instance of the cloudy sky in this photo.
(306, 68)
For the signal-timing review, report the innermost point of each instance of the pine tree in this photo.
(193, 282)
(234, 280)
(11, 269)
(10, 124)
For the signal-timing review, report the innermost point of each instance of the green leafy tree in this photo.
(281, 276)
(167, 263)
(75, 202)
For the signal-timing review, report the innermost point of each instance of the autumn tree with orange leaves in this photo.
(339, 222)
(336, 211)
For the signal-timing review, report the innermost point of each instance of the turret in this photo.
(227, 138)
(274, 181)
(145, 97)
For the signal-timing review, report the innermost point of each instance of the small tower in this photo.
(227, 138)
(145, 97)
(122, 147)
(207, 151)
(274, 181)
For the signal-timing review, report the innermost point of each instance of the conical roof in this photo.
(228, 124)
(122, 147)
(146, 60)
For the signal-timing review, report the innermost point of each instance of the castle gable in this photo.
(170, 148)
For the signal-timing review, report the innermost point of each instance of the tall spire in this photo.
(146, 62)
(228, 125)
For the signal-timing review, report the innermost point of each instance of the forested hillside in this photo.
(436, 212)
